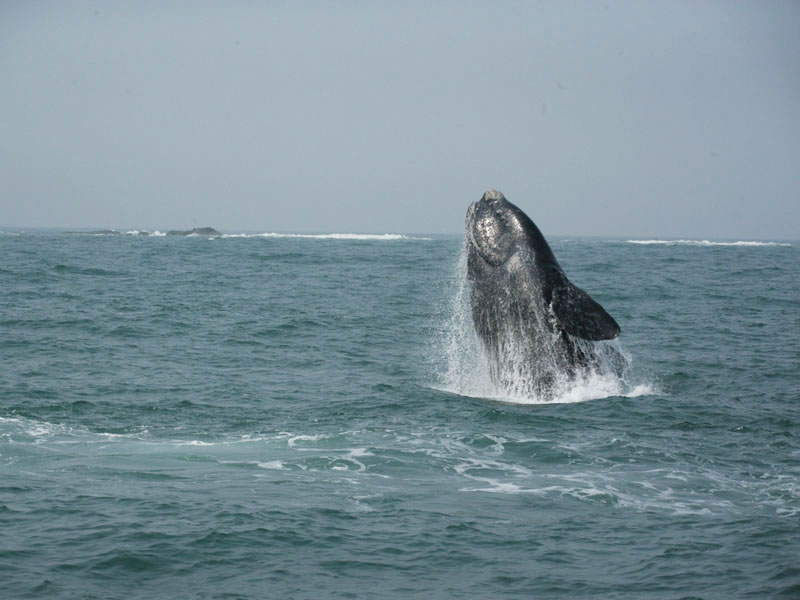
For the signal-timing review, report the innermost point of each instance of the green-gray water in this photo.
(294, 417)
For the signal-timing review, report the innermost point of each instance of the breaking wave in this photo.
(155, 233)
(328, 236)
(315, 236)
(705, 243)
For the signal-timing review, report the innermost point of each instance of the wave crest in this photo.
(328, 236)
(705, 243)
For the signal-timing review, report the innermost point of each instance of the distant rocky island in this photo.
(206, 231)
(195, 231)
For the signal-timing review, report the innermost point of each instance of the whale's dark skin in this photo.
(529, 317)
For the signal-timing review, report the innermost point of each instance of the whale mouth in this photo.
(491, 228)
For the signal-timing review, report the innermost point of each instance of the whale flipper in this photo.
(581, 316)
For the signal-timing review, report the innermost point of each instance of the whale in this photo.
(537, 329)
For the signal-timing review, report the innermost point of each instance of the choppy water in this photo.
(299, 417)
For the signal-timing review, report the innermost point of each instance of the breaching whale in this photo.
(536, 327)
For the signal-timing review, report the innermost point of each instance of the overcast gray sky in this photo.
(673, 119)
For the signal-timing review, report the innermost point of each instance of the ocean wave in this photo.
(496, 468)
(155, 233)
(676, 491)
(705, 243)
(310, 236)
(328, 236)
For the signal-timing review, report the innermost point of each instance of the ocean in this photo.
(279, 416)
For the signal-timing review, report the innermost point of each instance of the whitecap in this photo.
(329, 236)
(292, 442)
(705, 243)
(272, 464)
(143, 232)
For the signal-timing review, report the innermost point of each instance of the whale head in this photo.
(494, 227)
(509, 257)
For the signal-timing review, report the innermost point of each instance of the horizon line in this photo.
(625, 237)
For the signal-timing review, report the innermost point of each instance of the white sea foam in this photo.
(274, 465)
(292, 442)
(328, 236)
(38, 431)
(694, 492)
(705, 243)
(311, 236)
(271, 464)
(590, 386)
(362, 507)
(155, 233)
(354, 454)
(609, 489)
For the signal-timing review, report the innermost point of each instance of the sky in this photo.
(651, 119)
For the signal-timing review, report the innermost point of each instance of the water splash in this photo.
(466, 366)
(465, 370)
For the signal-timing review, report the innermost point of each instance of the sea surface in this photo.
(277, 416)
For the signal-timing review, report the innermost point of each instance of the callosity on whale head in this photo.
(532, 321)
(496, 229)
